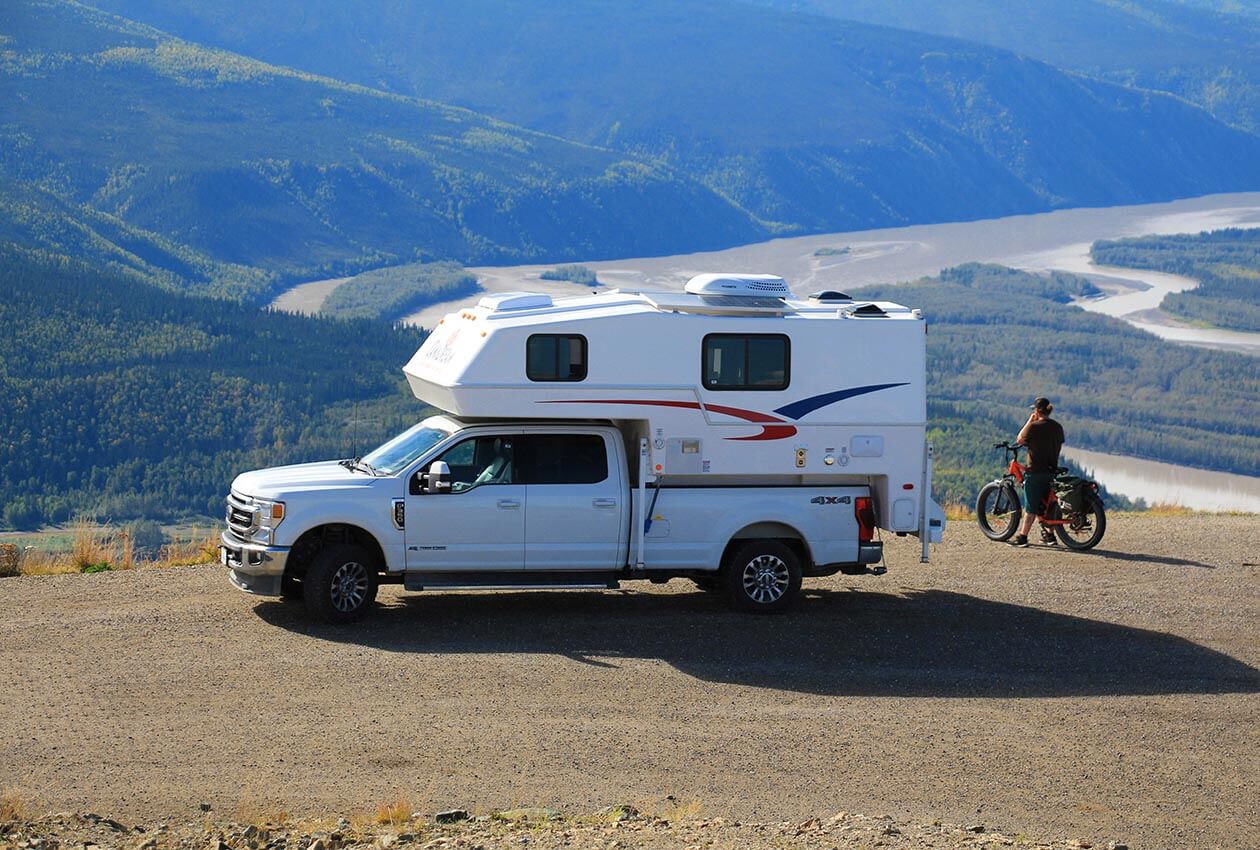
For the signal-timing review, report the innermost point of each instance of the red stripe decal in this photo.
(771, 431)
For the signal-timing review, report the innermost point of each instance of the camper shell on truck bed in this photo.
(730, 434)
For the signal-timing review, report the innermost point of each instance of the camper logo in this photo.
(774, 426)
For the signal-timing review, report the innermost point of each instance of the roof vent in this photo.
(829, 295)
(505, 301)
(871, 310)
(764, 285)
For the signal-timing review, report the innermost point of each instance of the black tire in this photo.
(340, 584)
(762, 577)
(1085, 529)
(998, 510)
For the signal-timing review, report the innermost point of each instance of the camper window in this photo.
(555, 357)
(746, 362)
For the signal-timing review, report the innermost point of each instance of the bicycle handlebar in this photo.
(1008, 446)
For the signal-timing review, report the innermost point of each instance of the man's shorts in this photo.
(1036, 489)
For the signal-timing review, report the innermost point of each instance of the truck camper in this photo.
(729, 434)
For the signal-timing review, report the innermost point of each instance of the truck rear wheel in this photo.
(340, 584)
(762, 576)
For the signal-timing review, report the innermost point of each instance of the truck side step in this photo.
(510, 580)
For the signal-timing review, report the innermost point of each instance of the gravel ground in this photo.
(1106, 696)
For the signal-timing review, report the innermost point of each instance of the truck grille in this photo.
(241, 518)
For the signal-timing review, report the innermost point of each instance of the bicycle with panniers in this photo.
(1072, 511)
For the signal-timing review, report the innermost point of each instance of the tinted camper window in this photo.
(746, 362)
(555, 357)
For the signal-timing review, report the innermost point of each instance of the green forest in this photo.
(1226, 263)
(123, 400)
(391, 293)
(1115, 388)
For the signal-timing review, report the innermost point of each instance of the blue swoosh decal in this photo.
(806, 406)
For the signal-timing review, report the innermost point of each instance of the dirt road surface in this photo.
(1111, 695)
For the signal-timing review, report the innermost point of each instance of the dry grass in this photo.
(958, 512)
(15, 806)
(394, 813)
(201, 547)
(260, 814)
(95, 548)
(36, 562)
(91, 546)
(676, 811)
(1169, 510)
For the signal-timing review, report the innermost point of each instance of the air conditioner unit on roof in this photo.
(739, 284)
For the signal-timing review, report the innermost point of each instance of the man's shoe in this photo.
(1020, 540)
(1048, 538)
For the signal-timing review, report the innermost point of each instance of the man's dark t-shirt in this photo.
(1044, 438)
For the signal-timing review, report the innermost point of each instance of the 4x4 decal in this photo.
(831, 500)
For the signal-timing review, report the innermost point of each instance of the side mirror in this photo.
(438, 478)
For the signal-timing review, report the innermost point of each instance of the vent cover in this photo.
(739, 285)
(515, 301)
(829, 295)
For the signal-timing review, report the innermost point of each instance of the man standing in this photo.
(1043, 437)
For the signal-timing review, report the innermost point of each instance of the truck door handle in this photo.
(604, 503)
(508, 504)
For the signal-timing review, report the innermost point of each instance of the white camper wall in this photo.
(853, 411)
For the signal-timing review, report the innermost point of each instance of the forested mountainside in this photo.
(117, 139)
(1116, 389)
(809, 123)
(1207, 56)
(124, 400)
(1225, 262)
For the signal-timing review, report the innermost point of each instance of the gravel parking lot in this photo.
(1111, 695)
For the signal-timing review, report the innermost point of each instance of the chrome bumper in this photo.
(253, 567)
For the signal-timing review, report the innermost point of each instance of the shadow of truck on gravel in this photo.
(919, 643)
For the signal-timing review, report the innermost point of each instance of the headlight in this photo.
(270, 515)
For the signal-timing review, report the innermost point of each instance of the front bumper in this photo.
(253, 567)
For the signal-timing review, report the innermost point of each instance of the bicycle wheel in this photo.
(1083, 530)
(998, 511)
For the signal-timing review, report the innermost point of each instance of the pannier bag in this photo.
(1073, 492)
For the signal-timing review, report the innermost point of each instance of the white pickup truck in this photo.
(522, 504)
(729, 434)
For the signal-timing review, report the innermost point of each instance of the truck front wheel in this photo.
(340, 584)
(762, 576)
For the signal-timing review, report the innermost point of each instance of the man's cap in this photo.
(1042, 403)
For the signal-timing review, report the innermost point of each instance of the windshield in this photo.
(398, 453)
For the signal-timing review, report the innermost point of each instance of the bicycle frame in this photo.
(1016, 472)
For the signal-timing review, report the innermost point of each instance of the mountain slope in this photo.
(125, 400)
(246, 164)
(810, 123)
(1203, 55)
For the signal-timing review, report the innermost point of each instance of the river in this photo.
(1166, 484)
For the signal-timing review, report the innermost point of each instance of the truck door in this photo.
(577, 502)
(479, 524)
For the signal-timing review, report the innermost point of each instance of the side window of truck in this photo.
(746, 362)
(478, 461)
(555, 357)
(561, 459)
